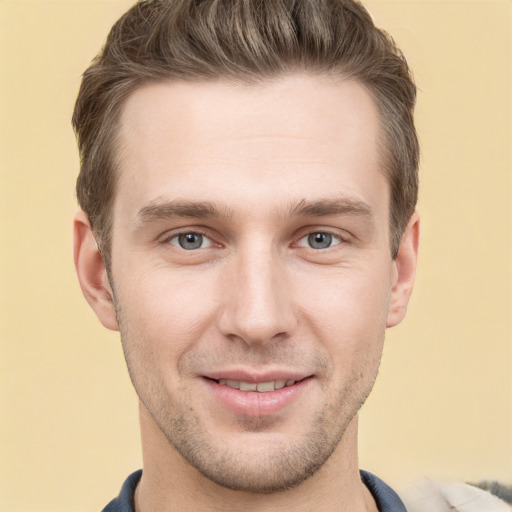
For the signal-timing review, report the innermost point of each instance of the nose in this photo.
(257, 303)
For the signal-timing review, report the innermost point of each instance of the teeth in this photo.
(248, 386)
(261, 387)
(265, 386)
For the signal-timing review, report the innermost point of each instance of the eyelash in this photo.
(333, 240)
(176, 237)
(331, 237)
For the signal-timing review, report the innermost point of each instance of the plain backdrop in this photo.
(442, 404)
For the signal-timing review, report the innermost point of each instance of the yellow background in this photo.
(442, 404)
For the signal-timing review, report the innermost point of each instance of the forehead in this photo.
(306, 136)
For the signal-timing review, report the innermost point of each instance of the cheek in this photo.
(353, 295)
(348, 311)
(164, 313)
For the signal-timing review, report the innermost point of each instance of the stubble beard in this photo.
(277, 467)
(274, 468)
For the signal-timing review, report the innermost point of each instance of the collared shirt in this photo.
(387, 500)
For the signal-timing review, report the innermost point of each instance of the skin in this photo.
(253, 170)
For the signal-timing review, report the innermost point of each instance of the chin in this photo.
(261, 462)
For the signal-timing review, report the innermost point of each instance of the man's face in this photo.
(251, 250)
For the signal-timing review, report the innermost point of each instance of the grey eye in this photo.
(191, 241)
(319, 240)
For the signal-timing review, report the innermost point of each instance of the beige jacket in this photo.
(454, 497)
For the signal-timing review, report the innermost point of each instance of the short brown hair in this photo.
(247, 40)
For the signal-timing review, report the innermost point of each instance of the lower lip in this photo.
(255, 404)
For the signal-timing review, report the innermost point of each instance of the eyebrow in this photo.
(337, 206)
(158, 210)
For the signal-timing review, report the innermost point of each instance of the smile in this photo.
(260, 387)
(257, 397)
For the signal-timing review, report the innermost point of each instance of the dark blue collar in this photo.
(387, 500)
(125, 501)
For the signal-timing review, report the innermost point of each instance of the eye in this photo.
(190, 241)
(319, 240)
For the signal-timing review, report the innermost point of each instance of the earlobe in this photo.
(92, 273)
(405, 271)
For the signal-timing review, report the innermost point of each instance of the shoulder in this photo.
(385, 497)
(429, 496)
(125, 501)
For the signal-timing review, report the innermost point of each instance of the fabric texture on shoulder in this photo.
(125, 501)
(386, 498)
(430, 496)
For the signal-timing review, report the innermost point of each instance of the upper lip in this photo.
(255, 377)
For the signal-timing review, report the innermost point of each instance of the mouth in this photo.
(252, 396)
(260, 387)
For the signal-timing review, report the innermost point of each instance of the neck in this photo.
(170, 483)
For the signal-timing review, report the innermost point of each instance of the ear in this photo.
(92, 273)
(404, 271)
